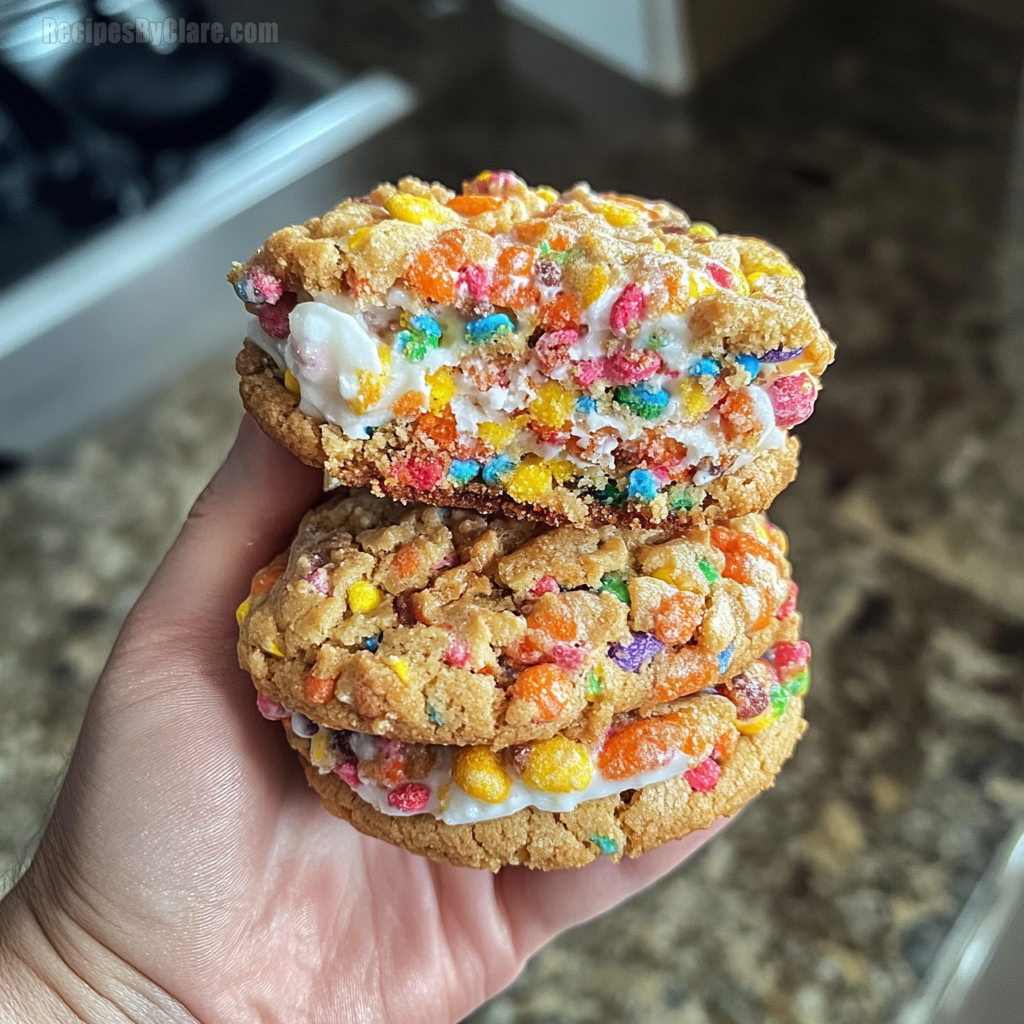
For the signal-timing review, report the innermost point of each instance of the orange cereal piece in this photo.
(559, 239)
(767, 612)
(472, 205)
(408, 405)
(317, 690)
(547, 686)
(640, 747)
(513, 270)
(562, 311)
(551, 616)
(726, 745)
(651, 742)
(682, 672)
(739, 415)
(431, 276)
(268, 576)
(677, 617)
(440, 427)
(406, 561)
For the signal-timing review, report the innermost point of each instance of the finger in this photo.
(247, 514)
(542, 904)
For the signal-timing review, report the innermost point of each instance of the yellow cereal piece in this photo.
(479, 772)
(757, 279)
(272, 649)
(561, 470)
(595, 285)
(700, 285)
(291, 383)
(359, 238)
(371, 391)
(242, 611)
(701, 229)
(657, 245)
(442, 388)
(416, 209)
(399, 667)
(548, 194)
(497, 435)
(553, 404)
(442, 797)
(695, 402)
(619, 215)
(752, 726)
(319, 749)
(529, 482)
(363, 597)
(558, 765)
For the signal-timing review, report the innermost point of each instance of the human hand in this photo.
(189, 873)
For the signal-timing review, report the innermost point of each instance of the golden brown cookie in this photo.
(629, 822)
(432, 625)
(578, 358)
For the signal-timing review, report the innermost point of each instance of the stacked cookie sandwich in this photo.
(544, 618)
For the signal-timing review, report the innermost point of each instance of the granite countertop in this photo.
(881, 149)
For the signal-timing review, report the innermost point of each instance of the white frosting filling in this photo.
(462, 809)
(332, 349)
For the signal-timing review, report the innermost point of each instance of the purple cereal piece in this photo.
(631, 656)
(780, 355)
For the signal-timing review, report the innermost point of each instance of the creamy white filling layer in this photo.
(331, 349)
(462, 809)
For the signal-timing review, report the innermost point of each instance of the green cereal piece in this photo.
(434, 715)
(594, 685)
(710, 572)
(615, 585)
(605, 844)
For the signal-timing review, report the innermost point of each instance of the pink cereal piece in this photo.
(568, 656)
(320, 582)
(791, 657)
(627, 310)
(545, 585)
(722, 276)
(270, 709)
(552, 349)
(478, 281)
(266, 287)
(789, 605)
(274, 319)
(423, 474)
(409, 797)
(348, 772)
(793, 399)
(589, 371)
(662, 475)
(457, 653)
(704, 777)
(628, 366)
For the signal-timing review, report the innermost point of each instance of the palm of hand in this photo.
(187, 843)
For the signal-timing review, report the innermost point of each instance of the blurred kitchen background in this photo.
(880, 143)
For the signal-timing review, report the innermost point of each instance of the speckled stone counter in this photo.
(880, 149)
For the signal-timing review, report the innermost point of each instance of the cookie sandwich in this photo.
(576, 358)
(492, 691)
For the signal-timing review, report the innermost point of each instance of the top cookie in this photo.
(573, 358)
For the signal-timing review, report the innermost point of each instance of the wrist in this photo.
(53, 971)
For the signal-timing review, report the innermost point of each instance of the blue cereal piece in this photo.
(705, 368)
(642, 400)
(489, 328)
(724, 659)
(608, 846)
(371, 643)
(750, 364)
(462, 471)
(497, 470)
(586, 404)
(643, 485)
(421, 334)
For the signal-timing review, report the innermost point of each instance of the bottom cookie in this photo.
(627, 823)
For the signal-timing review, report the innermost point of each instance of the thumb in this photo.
(247, 514)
